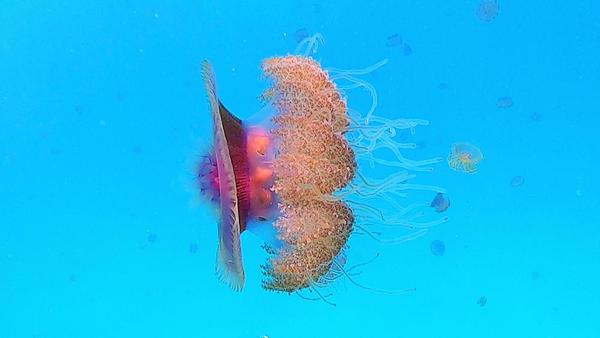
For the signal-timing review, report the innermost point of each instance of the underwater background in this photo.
(103, 117)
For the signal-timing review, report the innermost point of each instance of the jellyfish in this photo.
(437, 248)
(464, 157)
(440, 203)
(504, 102)
(517, 181)
(487, 10)
(291, 174)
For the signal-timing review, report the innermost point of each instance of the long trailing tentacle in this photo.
(393, 241)
(310, 43)
(392, 292)
(314, 288)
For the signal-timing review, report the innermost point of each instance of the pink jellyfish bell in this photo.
(237, 176)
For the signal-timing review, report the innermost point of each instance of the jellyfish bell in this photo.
(440, 203)
(235, 175)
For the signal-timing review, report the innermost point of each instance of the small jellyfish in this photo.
(440, 203)
(487, 10)
(394, 40)
(151, 238)
(464, 157)
(482, 301)
(193, 248)
(504, 102)
(517, 181)
(300, 34)
(437, 247)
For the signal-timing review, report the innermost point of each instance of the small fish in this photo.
(440, 203)
(394, 40)
(482, 301)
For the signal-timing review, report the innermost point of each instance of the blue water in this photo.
(103, 116)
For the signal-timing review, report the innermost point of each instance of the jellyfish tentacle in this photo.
(349, 270)
(315, 289)
(393, 292)
(361, 83)
(360, 71)
(312, 44)
(310, 298)
(396, 240)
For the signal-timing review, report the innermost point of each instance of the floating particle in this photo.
(517, 181)
(72, 277)
(535, 275)
(437, 247)
(394, 40)
(300, 34)
(152, 238)
(440, 203)
(482, 301)
(504, 102)
(536, 117)
(137, 150)
(406, 49)
(443, 86)
(193, 248)
(487, 10)
(79, 109)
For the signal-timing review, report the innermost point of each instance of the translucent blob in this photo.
(487, 10)
(464, 157)
(437, 247)
(504, 102)
(517, 181)
(300, 34)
